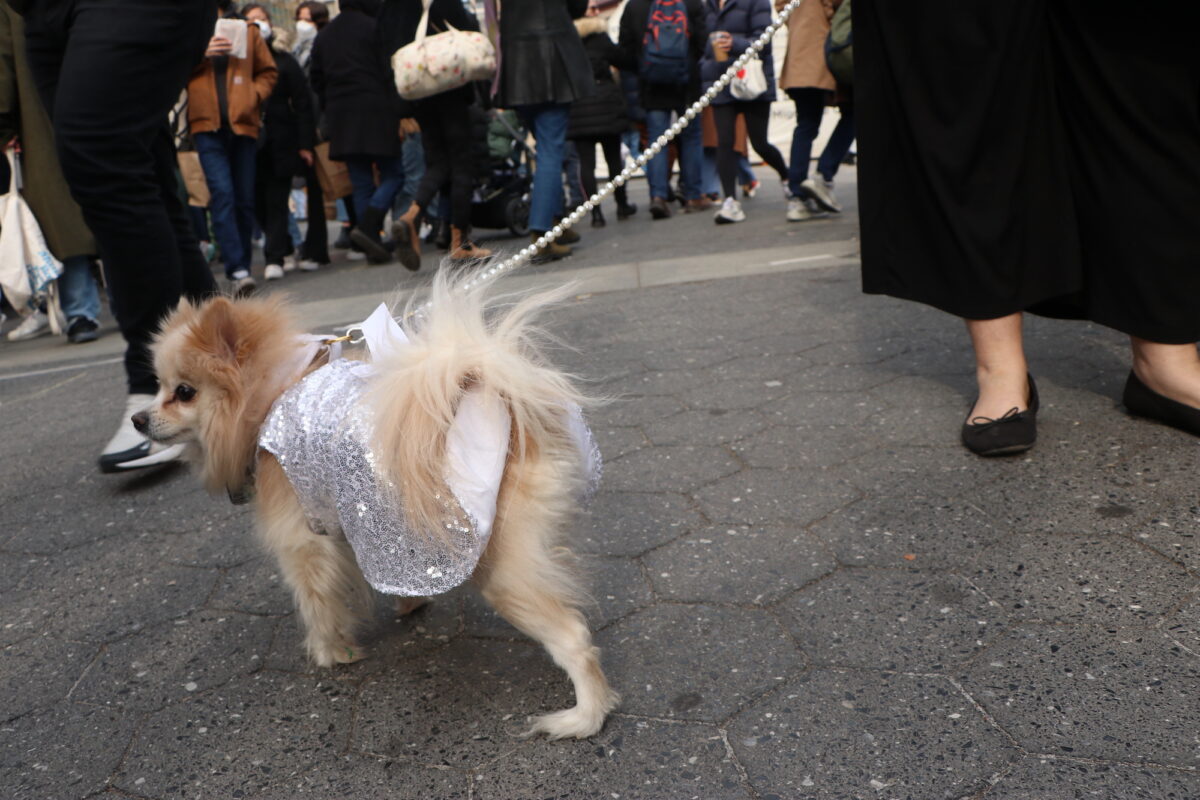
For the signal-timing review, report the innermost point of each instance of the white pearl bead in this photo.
(557, 231)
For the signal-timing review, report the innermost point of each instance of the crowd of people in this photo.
(274, 114)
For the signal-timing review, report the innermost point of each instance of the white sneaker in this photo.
(33, 326)
(289, 264)
(128, 449)
(821, 191)
(797, 211)
(355, 255)
(730, 212)
(273, 272)
(307, 265)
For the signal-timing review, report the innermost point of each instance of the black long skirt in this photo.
(1033, 155)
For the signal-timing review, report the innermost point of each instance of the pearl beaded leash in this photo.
(526, 253)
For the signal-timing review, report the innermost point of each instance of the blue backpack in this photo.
(666, 45)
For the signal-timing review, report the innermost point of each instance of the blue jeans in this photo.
(412, 156)
(572, 176)
(548, 122)
(366, 193)
(691, 156)
(810, 107)
(633, 140)
(228, 161)
(80, 297)
(745, 172)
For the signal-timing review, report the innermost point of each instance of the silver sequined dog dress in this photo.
(320, 431)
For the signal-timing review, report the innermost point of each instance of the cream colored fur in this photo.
(526, 573)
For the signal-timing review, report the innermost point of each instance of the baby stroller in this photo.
(502, 197)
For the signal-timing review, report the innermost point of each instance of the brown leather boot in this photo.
(551, 252)
(406, 233)
(462, 248)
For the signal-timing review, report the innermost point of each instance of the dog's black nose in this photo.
(141, 421)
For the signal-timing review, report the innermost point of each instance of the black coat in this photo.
(288, 122)
(353, 82)
(602, 113)
(633, 31)
(398, 21)
(541, 56)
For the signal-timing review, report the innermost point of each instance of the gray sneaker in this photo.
(797, 211)
(821, 191)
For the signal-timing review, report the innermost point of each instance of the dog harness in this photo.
(321, 429)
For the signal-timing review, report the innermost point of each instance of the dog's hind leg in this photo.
(524, 578)
(330, 593)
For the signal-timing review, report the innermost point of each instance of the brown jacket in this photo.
(248, 84)
(808, 27)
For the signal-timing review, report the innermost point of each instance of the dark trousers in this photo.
(449, 158)
(810, 108)
(109, 71)
(758, 115)
(611, 147)
(316, 237)
(271, 194)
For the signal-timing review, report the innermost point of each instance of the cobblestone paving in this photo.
(804, 588)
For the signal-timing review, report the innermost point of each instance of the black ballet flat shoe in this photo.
(1142, 401)
(1013, 433)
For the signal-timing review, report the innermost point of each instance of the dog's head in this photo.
(215, 362)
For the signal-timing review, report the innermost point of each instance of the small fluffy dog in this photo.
(223, 364)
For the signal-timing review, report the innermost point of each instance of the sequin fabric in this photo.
(320, 432)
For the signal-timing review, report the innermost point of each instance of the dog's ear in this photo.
(216, 332)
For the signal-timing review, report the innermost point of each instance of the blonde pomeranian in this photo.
(223, 364)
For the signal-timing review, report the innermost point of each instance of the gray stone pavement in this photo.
(804, 587)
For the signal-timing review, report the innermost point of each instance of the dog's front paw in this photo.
(326, 654)
(570, 723)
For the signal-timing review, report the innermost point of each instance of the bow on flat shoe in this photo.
(1014, 432)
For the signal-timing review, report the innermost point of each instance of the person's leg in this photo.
(725, 117)
(810, 105)
(77, 288)
(758, 117)
(391, 178)
(745, 171)
(316, 237)
(277, 245)
(218, 174)
(362, 178)
(110, 71)
(437, 155)
(1171, 370)
(586, 148)
(657, 121)
(1000, 367)
(838, 144)
(710, 181)
(373, 206)
(549, 125)
(691, 161)
(412, 155)
(243, 152)
(611, 147)
(572, 174)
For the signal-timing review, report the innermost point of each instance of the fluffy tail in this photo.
(467, 340)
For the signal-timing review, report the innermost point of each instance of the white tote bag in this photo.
(27, 267)
(750, 82)
(435, 64)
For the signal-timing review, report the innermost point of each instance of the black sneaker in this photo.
(82, 330)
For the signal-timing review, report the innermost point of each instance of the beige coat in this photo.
(808, 27)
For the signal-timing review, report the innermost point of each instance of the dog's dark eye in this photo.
(184, 393)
